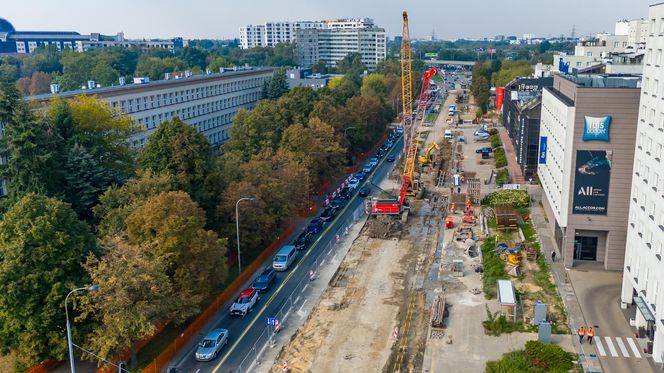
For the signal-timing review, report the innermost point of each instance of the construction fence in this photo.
(161, 361)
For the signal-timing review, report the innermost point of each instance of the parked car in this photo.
(373, 162)
(328, 214)
(353, 183)
(367, 168)
(380, 153)
(390, 158)
(345, 193)
(480, 133)
(265, 280)
(337, 202)
(302, 241)
(315, 226)
(484, 136)
(461, 139)
(211, 344)
(364, 191)
(245, 302)
(484, 149)
(389, 143)
(360, 175)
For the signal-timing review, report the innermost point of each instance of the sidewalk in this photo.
(510, 154)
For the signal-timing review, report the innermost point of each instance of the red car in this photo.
(245, 302)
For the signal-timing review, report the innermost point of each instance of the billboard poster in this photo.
(596, 128)
(591, 182)
(542, 149)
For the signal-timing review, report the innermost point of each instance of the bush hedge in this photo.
(495, 141)
(536, 358)
(493, 131)
(494, 269)
(499, 157)
(518, 198)
(502, 177)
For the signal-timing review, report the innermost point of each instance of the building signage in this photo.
(591, 182)
(431, 55)
(542, 150)
(596, 129)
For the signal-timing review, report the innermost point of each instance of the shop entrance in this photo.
(585, 248)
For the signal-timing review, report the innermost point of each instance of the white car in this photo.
(373, 162)
(353, 183)
(209, 347)
(245, 302)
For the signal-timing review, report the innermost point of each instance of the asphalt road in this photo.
(244, 331)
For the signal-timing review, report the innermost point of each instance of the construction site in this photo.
(410, 294)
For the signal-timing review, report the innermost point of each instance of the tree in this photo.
(193, 57)
(178, 149)
(277, 85)
(256, 130)
(389, 66)
(194, 257)
(118, 202)
(103, 73)
(374, 85)
(320, 67)
(351, 66)
(42, 246)
(76, 68)
(155, 67)
(134, 292)
(8, 73)
(297, 104)
(86, 180)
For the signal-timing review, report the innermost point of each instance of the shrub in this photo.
(496, 324)
(515, 361)
(502, 177)
(549, 358)
(493, 131)
(499, 157)
(518, 198)
(495, 141)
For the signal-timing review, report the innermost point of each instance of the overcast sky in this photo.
(221, 18)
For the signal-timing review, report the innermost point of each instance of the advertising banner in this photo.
(500, 97)
(431, 55)
(542, 150)
(591, 182)
(596, 129)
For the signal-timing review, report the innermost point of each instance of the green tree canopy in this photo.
(42, 246)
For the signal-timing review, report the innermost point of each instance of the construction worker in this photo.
(590, 334)
(553, 255)
(582, 333)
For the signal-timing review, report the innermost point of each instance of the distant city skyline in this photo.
(207, 19)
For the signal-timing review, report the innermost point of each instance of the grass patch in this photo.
(494, 269)
(502, 177)
(535, 358)
(519, 199)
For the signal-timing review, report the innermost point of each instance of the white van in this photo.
(449, 134)
(284, 258)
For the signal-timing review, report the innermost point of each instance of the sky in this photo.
(220, 19)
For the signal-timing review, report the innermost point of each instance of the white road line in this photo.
(623, 349)
(296, 299)
(304, 288)
(612, 349)
(198, 370)
(321, 263)
(600, 348)
(302, 305)
(334, 258)
(635, 350)
(328, 253)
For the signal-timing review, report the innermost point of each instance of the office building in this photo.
(521, 117)
(207, 102)
(298, 77)
(586, 154)
(22, 42)
(643, 276)
(328, 40)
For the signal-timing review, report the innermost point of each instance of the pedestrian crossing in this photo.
(606, 347)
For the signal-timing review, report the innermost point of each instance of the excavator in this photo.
(426, 158)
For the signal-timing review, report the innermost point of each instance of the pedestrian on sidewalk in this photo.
(590, 334)
(553, 255)
(582, 333)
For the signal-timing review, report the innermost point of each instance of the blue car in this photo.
(315, 226)
(360, 175)
(265, 280)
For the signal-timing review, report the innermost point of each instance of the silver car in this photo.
(209, 347)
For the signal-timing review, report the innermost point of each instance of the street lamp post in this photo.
(237, 230)
(72, 366)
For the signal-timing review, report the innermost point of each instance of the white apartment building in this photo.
(206, 102)
(273, 33)
(643, 276)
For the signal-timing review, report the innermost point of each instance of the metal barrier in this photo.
(268, 335)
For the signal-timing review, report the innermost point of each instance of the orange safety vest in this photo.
(581, 331)
(591, 333)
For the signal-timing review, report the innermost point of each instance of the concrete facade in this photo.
(565, 108)
(206, 102)
(643, 278)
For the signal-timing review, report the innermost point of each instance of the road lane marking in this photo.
(635, 350)
(296, 299)
(623, 349)
(612, 349)
(304, 288)
(302, 305)
(281, 286)
(600, 348)
(321, 263)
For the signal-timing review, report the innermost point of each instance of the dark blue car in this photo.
(265, 280)
(315, 226)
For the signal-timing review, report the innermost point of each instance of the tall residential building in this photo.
(586, 153)
(328, 40)
(643, 276)
(22, 42)
(207, 102)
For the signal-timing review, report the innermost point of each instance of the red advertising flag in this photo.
(500, 97)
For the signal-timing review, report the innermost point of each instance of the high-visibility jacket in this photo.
(581, 331)
(591, 332)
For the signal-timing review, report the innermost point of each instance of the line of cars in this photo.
(214, 341)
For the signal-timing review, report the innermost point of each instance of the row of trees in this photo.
(498, 73)
(34, 73)
(149, 225)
